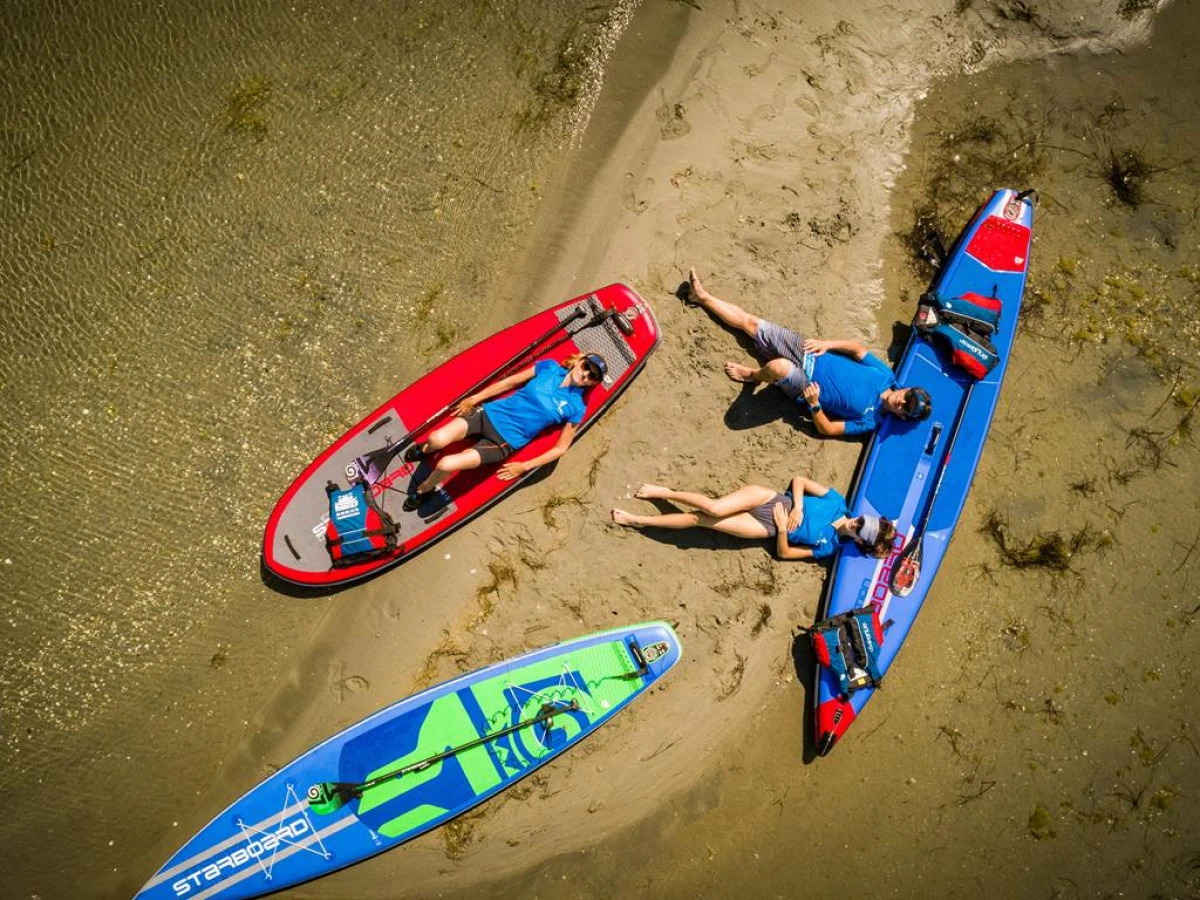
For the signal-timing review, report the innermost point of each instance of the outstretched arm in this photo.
(511, 470)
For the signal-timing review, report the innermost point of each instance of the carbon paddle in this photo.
(371, 466)
(907, 570)
(330, 796)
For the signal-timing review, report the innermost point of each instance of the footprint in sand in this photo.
(671, 120)
(341, 684)
(629, 198)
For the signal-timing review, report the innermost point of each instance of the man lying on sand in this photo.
(846, 388)
(814, 528)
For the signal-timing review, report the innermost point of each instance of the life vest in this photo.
(848, 645)
(358, 530)
(962, 326)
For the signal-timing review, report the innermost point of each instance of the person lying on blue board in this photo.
(848, 389)
(550, 394)
(813, 529)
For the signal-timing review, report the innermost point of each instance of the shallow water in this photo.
(226, 227)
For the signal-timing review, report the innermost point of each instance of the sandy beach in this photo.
(1030, 741)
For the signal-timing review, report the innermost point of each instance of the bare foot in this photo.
(651, 492)
(738, 372)
(696, 292)
(620, 517)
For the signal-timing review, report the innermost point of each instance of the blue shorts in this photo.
(776, 342)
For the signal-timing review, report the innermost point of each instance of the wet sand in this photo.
(1026, 734)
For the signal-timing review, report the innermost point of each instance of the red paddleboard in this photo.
(613, 321)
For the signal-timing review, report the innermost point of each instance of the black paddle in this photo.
(330, 796)
(372, 465)
(907, 569)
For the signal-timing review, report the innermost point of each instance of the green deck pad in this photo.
(447, 725)
(594, 677)
(599, 679)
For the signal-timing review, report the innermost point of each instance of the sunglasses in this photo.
(592, 371)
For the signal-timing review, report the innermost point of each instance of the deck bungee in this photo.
(918, 473)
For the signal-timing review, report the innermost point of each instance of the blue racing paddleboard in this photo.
(414, 765)
(919, 473)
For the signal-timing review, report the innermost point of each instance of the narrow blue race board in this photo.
(428, 758)
(904, 459)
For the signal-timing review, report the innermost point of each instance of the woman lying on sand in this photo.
(813, 529)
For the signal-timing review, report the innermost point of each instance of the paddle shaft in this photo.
(546, 713)
(919, 535)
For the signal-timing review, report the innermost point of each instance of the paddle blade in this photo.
(907, 570)
(329, 796)
(373, 465)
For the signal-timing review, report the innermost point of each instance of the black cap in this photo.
(917, 404)
(596, 363)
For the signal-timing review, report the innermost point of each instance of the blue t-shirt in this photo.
(850, 388)
(540, 403)
(816, 528)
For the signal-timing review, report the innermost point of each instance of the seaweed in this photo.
(551, 506)
(1127, 172)
(1130, 9)
(244, 107)
(1051, 550)
(764, 619)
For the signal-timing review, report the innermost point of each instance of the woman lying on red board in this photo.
(813, 529)
(550, 394)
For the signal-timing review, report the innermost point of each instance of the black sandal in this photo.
(414, 501)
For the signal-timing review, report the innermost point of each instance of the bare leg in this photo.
(729, 313)
(448, 465)
(454, 430)
(767, 374)
(741, 524)
(743, 499)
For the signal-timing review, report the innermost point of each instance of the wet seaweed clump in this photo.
(565, 81)
(1041, 824)
(1131, 9)
(920, 240)
(1127, 173)
(1017, 11)
(244, 108)
(1051, 550)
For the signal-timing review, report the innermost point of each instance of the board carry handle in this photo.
(330, 796)
(371, 466)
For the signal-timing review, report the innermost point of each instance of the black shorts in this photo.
(491, 447)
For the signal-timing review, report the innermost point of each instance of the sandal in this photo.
(415, 453)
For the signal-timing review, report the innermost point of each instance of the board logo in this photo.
(286, 833)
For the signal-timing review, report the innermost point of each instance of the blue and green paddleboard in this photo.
(415, 765)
